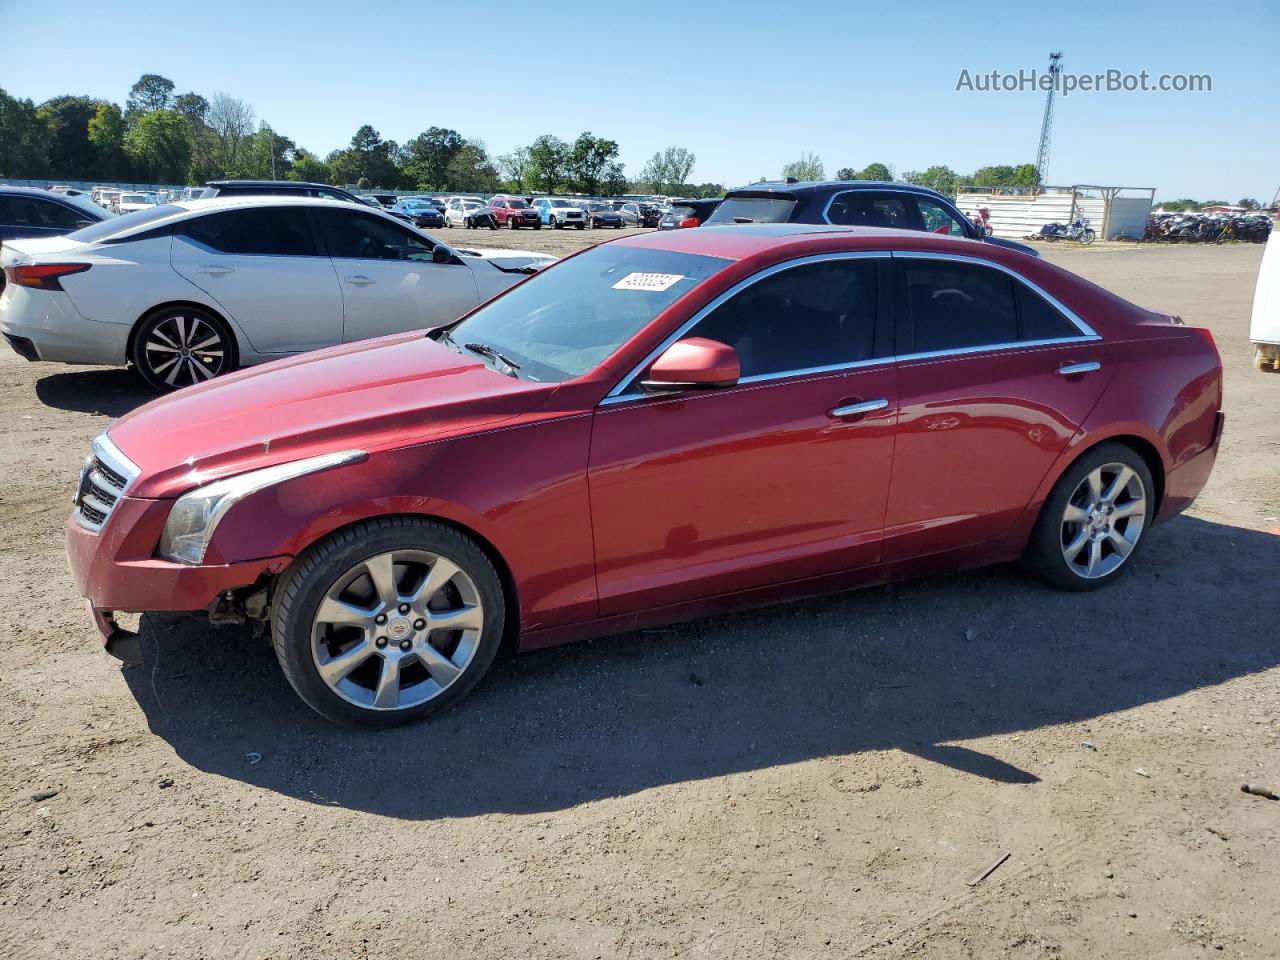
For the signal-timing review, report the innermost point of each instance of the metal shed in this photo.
(1113, 212)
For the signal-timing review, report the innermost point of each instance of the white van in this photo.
(1264, 329)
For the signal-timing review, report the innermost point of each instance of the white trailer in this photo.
(1264, 328)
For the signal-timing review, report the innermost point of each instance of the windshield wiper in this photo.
(487, 351)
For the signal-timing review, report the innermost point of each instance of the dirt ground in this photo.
(820, 779)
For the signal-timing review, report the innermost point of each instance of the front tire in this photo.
(1094, 520)
(388, 621)
(179, 346)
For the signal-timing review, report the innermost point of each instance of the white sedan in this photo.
(186, 291)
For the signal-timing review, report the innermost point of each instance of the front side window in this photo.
(812, 315)
(568, 319)
(937, 219)
(952, 305)
(352, 236)
(260, 231)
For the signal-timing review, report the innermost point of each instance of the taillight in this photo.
(1205, 335)
(690, 222)
(43, 276)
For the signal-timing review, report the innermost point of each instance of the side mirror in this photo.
(439, 254)
(693, 364)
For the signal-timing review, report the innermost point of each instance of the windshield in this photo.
(752, 210)
(600, 208)
(569, 318)
(564, 203)
(517, 204)
(133, 198)
(105, 228)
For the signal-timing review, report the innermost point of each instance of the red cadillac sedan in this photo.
(658, 427)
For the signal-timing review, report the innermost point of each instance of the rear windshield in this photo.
(112, 225)
(567, 319)
(752, 210)
(681, 212)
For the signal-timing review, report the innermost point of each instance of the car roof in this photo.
(285, 184)
(185, 209)
(803, 187)
(30, 192)
(738, 241)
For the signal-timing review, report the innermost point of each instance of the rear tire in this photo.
(333, 662)
(1094, 520)
(178, 346)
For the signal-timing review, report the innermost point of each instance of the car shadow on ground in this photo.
(914, 667)
(113, 392)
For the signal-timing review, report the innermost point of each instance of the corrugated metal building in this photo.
(1017, 214)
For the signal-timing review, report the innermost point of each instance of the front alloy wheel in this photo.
(388, 621)
(180, 347)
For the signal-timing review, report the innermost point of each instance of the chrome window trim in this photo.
(1087, 333)
(616, 395)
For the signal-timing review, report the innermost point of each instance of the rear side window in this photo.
(264, 231)
(34, 212)
(1040, 320)
(813, 315)
(753, 210)
(956, 305)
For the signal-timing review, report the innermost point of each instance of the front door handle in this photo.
(1072, 369)
(857, 409)
(213, 270)
(359, 280)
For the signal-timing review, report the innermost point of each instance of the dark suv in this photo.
(865, 203)
(286, 188)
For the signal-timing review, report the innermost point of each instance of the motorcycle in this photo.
(1078, 230)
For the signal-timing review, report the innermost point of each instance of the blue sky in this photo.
(743, 85)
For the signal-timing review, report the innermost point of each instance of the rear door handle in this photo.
(359, 280)
(1072, 369)
(857, 409)
(213, 270)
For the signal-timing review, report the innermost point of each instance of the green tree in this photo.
(230, 122)
(846, 173)
(997, 176)
(514, 168)
(106, 133)
(1177, 206)
(591, 162)
(151, 92)
(24, 139)
(939, 177)
(270, 155)
(369, 158)
(308, 167)
(471, 170)
(1025, 175)
(1249, 203)
(808, 167)
(158, 148)
(874, 171)
(71, 154)
(428, 157)
(548, 163)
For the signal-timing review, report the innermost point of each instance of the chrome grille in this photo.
(105, 477)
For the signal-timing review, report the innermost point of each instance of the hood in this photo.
(367, 395)
(507, 259)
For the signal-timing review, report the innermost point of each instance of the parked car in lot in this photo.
(28, 212)
(420, 211)
(458, 208)
(279, 188)
(688, 213)
(188, 291)
(557, 212)
(600, 213)
(512, 212)
(696, 419)
(864, 203)
(132, 202)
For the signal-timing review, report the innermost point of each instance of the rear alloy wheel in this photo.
(388, 621)
(182, 346)
(1094, 519)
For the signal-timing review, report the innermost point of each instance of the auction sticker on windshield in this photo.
(656, 282)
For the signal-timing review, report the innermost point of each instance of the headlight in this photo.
(196, 515)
